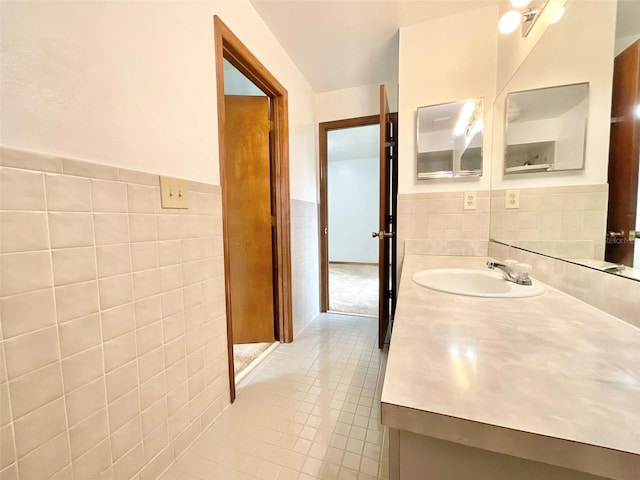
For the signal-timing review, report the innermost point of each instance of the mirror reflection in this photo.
(449, 140)
(623, 221)
(588, 216)
(546, 129)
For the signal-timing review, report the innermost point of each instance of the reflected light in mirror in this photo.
(520, 3)
(558, 16)
(465, 116)
(638, 110)
(509, 21)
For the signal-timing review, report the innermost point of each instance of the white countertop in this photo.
(548, 378)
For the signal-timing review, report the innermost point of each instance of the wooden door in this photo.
(624, 153)
(386, 233)
(248, 212)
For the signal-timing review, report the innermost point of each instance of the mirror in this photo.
(546, 129)
(569, 214)
(449, 140)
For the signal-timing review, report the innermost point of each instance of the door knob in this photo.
(619, 234)
(382, 234)
(633, 235)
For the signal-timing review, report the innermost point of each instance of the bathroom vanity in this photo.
(508, 388)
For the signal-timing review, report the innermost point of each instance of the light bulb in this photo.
(509, 21)
(520, 3)
(558, 15)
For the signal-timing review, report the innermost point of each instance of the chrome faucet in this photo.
(512, 273)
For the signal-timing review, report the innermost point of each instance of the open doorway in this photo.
(249, 229)
(350, 173)
(254, 178)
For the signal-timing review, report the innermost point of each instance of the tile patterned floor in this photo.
(308, 411)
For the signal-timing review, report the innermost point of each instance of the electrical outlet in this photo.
(174, 193)
(512, 199)
(470, 200)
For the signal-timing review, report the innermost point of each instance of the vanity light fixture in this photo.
(527, 16)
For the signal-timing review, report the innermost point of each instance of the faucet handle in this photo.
(522, 271)
(510, 264)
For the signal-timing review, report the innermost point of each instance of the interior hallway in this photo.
(308, 411)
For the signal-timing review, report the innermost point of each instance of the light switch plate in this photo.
(174, 193)
(470, 200)
(512, 199)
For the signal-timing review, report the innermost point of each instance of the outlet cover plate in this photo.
(470, 200)
(512, 199)
(174, 193)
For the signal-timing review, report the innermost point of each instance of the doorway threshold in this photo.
(351, 314)
(245, 371)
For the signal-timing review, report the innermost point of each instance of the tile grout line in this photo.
(135, 337)
(102, 342)
(55, 307)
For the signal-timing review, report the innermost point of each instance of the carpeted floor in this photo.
(245, 353)
(353, 288)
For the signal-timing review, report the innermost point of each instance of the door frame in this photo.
(323, 130)
(228, 46)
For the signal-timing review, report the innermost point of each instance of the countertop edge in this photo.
(591, 459)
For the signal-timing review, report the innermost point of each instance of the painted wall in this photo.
(354, 102)
(438, 67)
(533, 131)
(569, 53)
(353, 191)
(571, 136)
(97, 81)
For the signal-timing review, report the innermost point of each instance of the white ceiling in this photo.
(340, 44)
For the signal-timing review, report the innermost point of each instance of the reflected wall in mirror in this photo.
(449, 140)
(546, 129)
(564, 214)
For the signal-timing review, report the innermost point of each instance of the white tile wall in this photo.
(304, 263)
(438, 224)
(113, 350)
(567, 222)
(113, 337)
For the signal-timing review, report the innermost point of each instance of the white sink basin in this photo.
(474, 283)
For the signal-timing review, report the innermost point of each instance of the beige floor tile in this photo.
(309, 410)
